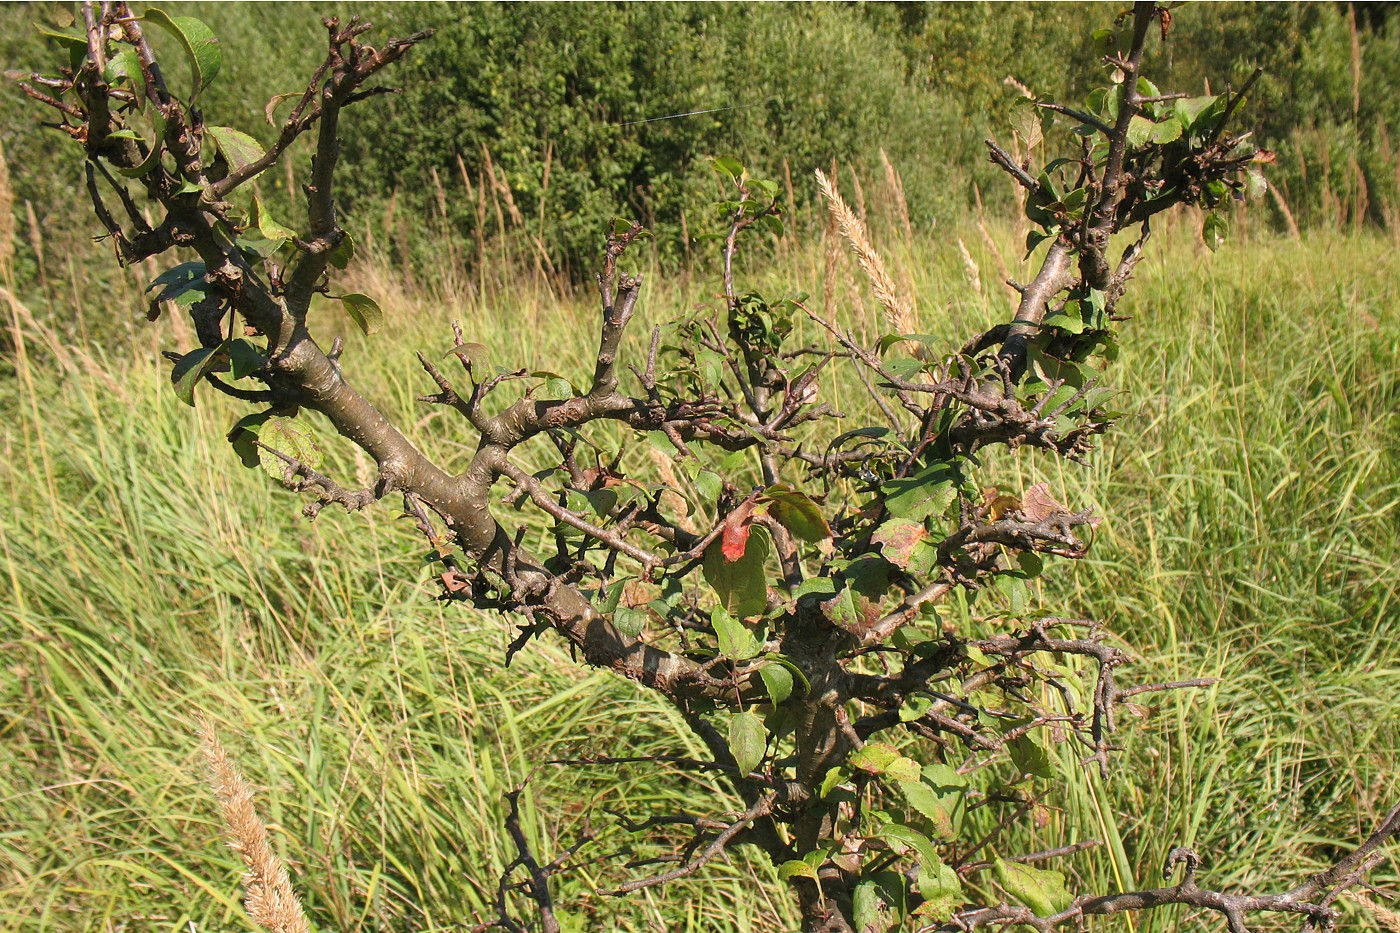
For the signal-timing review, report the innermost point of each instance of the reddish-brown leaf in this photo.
(735, 539)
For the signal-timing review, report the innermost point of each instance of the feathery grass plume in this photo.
(896, 186)
(1018, 86)
(36, 243)
(7, 222)
(971, 273)
(1387, 919)
(271, 902)
(899, 312)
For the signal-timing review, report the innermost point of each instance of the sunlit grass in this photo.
(1252, 504)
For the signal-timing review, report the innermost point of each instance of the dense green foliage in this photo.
(1252, 536)
(544, 88)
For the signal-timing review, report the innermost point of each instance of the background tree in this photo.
(791, 588)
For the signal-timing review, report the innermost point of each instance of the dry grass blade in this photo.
(899, 312)
(272, 903)
(7, 221)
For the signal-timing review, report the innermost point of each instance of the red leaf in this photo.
(735, 540)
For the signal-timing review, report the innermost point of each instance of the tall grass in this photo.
(1252, 497)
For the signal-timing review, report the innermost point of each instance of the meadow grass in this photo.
(1252, 504)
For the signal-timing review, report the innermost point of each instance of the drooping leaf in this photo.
(265, 225)
(747, 740)
(199, 42)
(364, 311)
(942, 893)
(796, 512)
(190, 369)
(177, 281)
(126, 66)
(1013, 587)
(742, 584)
(777, 680)
(291, 438)
(244, 435)
(238, 147)
(277, 100)
(796, 868)
(1029, 755)
(244, 358)
(735, 539)
(868, 908)
(730, 167)
(153, 155)
(344, 251)
(1042, 890)
(474, 355)
(555, 387)
(735, 639)
(1215, 229)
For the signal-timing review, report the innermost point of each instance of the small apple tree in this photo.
(777, 573)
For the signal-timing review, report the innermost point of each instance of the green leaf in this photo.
(911, 839)
(344, 251)
(1018, 595)
(927, 494)
(708, 486)
(1140, 130)
(364, 311)
(662, 444)
(796, 512)
(292, 438)
(834, 778)
(1189, 110)
(555, 387)
(238, 147)
(1029, 756)
(152, 159)
(822, 586)
(1042, 890)
(190, 369)
(1069, 323)
(868, 909)
(777, 680)
(629, 621)
(268, 227)
(200, 44)
(1168, 131)
(796, 868)
(941, 891)
(843, 612)
(177, 281)
(1215, 229)
(126, 66)
(748, 740)
(474, 355)
(731, 167)
(942, 806)
(742, 585)
(244, 435)
(735, 640)
(881, 758)
(244, 358)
